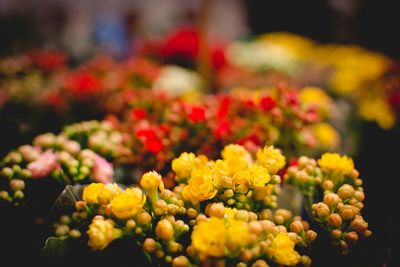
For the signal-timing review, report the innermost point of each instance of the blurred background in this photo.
(83, 28)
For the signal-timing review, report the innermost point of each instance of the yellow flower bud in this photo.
(321, 210)
(144, 218)
(335, 220)
(331, 199)
(311, 235)
(216, 210)
(347, 212)
(336, 234)
(260, 263)
(149, 245)
(180, 261)
(165, 230)
(346, 191)
(351, 237)
(296, 226)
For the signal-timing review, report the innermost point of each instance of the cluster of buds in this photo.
(335, 196)
(101, 137)
(50, 157)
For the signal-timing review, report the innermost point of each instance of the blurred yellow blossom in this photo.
(282, 250)
(101, 232)
(271, 158)
(259, 176)
(327, 136)
(377, 109)
(183, 165)
(316, 97)
(209, 237)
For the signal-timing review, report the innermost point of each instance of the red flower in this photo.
(268, 103)
(222, 129)
(394, 100)
(83, 85)
(139, 113)
(182, 43)
(223, 108)
(147, 133)
(154, 145)
(48, 60)
(197, 114)
(218, 58)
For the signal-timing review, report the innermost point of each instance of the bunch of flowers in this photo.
(165, 126)
(221, 213)
(334, 195)
(81, 153)
(348, 72)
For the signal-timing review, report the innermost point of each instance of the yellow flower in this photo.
(316, 97)
(333, 162)
(128, 203)
(263, 192)
(209, 237)
(91, 193)
(230, 213)
(327, 136)
(377, 109)
(108, 193)
(234, 151)
(259, 176)
(242, 177)
(271, 158)
(183, 165)
(282, 250)
(101, 232)
(237, 233)
(201, 185)
(152, 180)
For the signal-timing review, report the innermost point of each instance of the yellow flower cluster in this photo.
(334, 163)
(327, 137)
(377, 109)
(230, 178)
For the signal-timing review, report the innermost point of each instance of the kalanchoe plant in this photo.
(334, 195)
(220, 212)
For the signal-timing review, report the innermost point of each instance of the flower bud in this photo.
(65, 219)
(311, 235)
(19, 194)
(144, 218)
(255, 227)
(351, 237)
(80, 205)
(336, 234)
(331, 199)
(160, 207)
(192, 213)
(130, 224)
(174, 247)
(164, 229)
(172, 209)
(260, 263)
(62, 230)
(7, 172)
(327, 185)
(321, 209)
(17, 184)
(367, 233)
(75, 233)
(216, 210)
(149, 245)
(359, 225)
(335, 220)
(359, 195)
(242, 215)
(346, 191)
(246, 255)
(306, 261)
(152, 180)
(180, 261)
(296, 226)
(347, 212)
(265, 214)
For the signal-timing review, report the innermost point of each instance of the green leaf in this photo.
(55, 247)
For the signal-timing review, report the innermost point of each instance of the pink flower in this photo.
(43, 165)
(102, 170)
